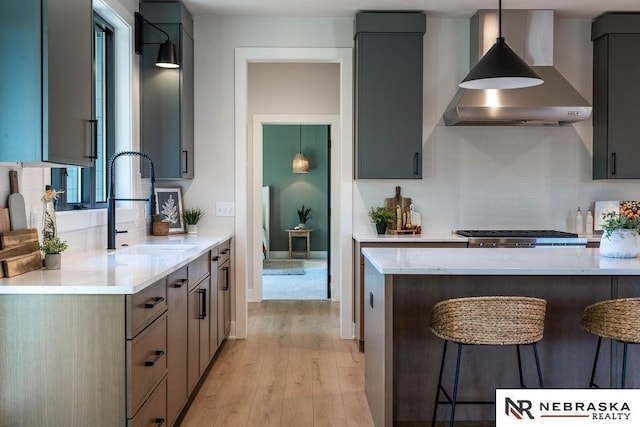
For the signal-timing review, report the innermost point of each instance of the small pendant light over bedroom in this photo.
(300, 162)
(501, 67)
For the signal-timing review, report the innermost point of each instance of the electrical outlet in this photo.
(225, 209)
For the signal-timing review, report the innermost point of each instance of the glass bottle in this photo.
(49, 226)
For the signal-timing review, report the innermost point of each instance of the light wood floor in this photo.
(293, 370)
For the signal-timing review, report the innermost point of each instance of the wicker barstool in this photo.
(494, 320)
(618, 320)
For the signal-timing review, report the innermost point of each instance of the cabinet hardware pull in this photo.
(416, 163)
(224, 251)
(94, 139)
(215, 258)
(371, 299)
(186, 161)
(156, 356)
(613, 163)
(180, 283)
(203, 303)
(159, 421)
(226, 278)
(156, 301)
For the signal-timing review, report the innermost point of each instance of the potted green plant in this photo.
(191, 217)
(303, 216)
(382, 216)
(620, 237)
(52, 249)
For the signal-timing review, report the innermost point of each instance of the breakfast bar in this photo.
(402, 357)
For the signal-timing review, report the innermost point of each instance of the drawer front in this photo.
(153, 413)
(147, 362)
(198, 269)
(224, 251)
(145, 306)
(179, 278)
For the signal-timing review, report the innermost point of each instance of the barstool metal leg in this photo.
(624, 364)
(435, 406)
(595, 363)
(520, 367)
(535, 352)
(455, 386)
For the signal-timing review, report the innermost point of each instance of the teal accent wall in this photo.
(289, 191)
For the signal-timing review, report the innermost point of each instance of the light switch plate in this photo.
(225, 209)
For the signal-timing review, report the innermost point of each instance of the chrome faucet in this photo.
(111, 199)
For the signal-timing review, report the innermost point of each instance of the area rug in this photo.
(310, 285)
(280, 267)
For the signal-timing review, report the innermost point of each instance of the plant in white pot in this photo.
(620, 237)
(191, 217)
(52, 249)
(303, 216)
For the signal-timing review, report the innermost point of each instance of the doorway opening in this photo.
(296, 211)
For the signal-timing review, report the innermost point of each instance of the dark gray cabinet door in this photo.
(166, 107)
(70, 83)
(616, 122)
(389, 105)
(46, 97)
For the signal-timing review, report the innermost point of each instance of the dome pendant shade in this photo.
(501, 68)
(167, 57)
(300, 163)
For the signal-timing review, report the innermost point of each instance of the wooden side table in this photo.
(306, 233)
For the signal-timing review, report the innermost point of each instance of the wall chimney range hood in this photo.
(530, 34)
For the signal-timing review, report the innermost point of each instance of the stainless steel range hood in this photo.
(530, 34)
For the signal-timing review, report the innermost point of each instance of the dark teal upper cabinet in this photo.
(388, 94)
(46, 92)
(166, 107)
(616, 93)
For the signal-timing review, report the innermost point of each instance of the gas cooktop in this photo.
(515, 233)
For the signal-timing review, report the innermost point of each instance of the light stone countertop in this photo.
(507, 261)
(409, 238)
(122, 271)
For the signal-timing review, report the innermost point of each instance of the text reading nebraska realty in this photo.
(567, 407)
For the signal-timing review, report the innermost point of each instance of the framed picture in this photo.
(169, 207)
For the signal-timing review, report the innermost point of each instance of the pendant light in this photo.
(300, 162)
(167, 57)
(501, 67)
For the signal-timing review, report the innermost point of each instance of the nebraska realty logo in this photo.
(567, 407)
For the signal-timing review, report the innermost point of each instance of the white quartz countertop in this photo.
(409, 238)
(481, 261)
(122, 271)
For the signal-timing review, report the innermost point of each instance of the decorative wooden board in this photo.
(18, 237)
(22, 264)
(5, 222)
(413, 231)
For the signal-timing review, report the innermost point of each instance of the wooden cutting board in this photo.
(18, 213)
(5, 222)
(22, 264)
(18, 237)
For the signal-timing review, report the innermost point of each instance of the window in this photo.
(87, 187)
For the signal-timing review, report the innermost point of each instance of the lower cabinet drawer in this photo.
(142, 308)
(147, 363)
(154, 411)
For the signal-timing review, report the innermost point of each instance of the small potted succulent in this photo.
(191, 217)
(620, 237)
(303, 216)
(382, 216)
(52, 249)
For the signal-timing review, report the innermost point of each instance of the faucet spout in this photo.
(111, 198)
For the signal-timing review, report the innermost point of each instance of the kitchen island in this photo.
(114, 338)
(402, 357)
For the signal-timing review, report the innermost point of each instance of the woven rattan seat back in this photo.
(617, 319)
(494, 320)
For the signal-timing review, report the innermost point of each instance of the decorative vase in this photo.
(49, 227)
(620, 244)
(53, 261)
(192, 228)
(381, 228)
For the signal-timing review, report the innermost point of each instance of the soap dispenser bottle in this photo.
(579, 222)
(589, 223)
